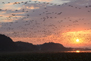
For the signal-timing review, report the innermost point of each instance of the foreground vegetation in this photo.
(45, 57)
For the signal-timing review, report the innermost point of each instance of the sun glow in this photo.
(77, 40)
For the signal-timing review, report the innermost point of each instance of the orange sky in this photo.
(68, 39)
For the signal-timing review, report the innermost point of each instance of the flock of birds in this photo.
(31, 27)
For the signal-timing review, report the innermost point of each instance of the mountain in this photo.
(52, 47)
(6, 43)
(24, 46)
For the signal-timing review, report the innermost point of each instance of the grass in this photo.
(46, 57)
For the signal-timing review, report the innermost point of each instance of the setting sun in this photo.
(77, 40)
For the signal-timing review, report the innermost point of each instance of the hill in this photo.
(6, 43)
(24, 46)
(52, 47)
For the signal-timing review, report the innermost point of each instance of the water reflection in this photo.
(78, 51)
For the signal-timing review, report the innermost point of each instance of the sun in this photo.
(77, 40)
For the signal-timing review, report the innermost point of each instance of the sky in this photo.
(43, 21)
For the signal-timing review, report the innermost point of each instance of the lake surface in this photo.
(78, 51)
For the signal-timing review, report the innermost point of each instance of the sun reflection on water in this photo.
(77, 51)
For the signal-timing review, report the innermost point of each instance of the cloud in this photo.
(8, 7)
(32, 7)
(0, 25)
(9, 4)
(43, 0)
(6, 20)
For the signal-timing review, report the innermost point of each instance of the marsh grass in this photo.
(45, 57)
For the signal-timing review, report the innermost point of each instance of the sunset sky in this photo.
(67, 22)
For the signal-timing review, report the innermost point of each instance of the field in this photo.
(45, 57)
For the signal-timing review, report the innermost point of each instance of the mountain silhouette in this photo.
(24, 46)
(6, 43)
(52, 47)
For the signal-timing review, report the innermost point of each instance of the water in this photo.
(78, 51)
